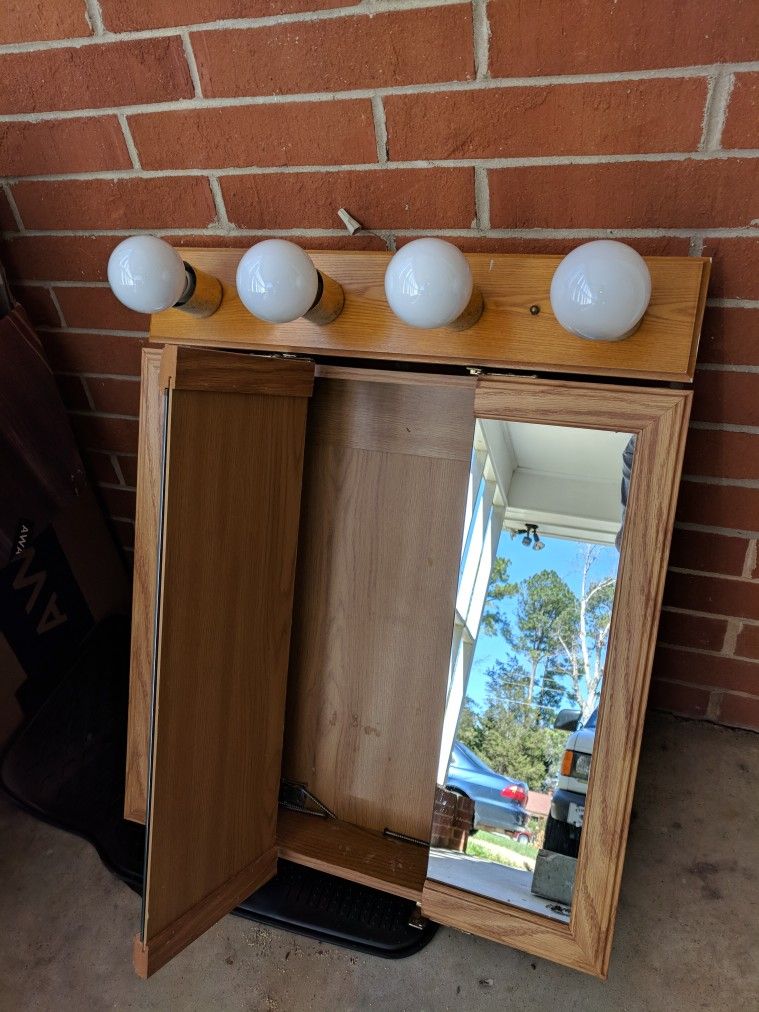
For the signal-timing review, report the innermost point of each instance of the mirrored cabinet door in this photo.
(565, 537)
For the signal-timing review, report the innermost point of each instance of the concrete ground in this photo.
(687, 928)
(496, 881)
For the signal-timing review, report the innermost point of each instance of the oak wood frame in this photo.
(509, 334)
(659, 418)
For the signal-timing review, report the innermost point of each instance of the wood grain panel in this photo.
(231, 507)
(204, 369)
(145, 583)
(660, 419)
(507, 335)
(359, 855)
(375, 592)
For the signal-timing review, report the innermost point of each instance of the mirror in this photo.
(543, 529)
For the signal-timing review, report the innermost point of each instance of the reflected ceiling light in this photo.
(428, 283)
(531, 537)
(601, 290)
(148, 275)
(278, 283)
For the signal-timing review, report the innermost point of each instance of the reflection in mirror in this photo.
(544, 519)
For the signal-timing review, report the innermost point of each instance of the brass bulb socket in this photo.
(205, 294)
(329, 302)
(472, 312)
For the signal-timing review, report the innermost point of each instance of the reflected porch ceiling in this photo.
(565, 480)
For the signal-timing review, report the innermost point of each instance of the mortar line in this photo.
(231, 24)
(733, 631)
(752, 430)
(218, 201)
(87, 392)
(727, 367)
(513, 162)
(380, 129)
(707, 614)
(94, 15)
(498, 83)
(749, 563)
(192, 65)
(129, 141)
(715, 110)
(57, 305)
(103, 414)
(212, 231)
(699, 479)
(481, 199)
(117, 468)
(481, 39)
(13, 206)
(730, 532)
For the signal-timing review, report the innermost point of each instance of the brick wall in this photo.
(514, 125)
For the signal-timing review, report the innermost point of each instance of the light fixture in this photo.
(277, 282)
(601, 290)
(531, 537)
(428, 283)
(148, 275)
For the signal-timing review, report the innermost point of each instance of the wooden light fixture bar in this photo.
(517, 329)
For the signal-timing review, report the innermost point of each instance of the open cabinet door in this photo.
(233, 443)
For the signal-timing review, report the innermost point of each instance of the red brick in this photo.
(610, 118)
(670, 194)
(126, 15)
(115, 396)
(128, 467)
(713, 670)
(39, 305)
(729, 397)
(58, 257)
(93, 353)
(94, 76)
(124, 531)
(68, 145)
(719, 453)
(105, 434)
(21, 21)
(747, 644)
(682, 699)
(739, 711)
(735, 268)
(730, 336)
(729, 506)
(179, 202)
(72, 393)
(100, 468)
(712, 553)
(98, 309)
(434, 44)
(119, 502)
(292, 133)
(533, 37)
(401, 198)
(692, 630)
(712, 594)
(742, 124)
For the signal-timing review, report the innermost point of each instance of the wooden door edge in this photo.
(152, 955)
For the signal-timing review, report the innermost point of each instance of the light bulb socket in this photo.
(202, 295)
(472, 312)
(329, 301)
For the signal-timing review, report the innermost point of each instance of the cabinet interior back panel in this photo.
(384, 492)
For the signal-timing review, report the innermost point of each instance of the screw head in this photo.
(534, 310)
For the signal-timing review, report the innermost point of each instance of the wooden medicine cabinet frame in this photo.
(205, 413)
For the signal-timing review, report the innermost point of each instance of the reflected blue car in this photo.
(499, 802)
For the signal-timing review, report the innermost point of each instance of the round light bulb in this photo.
(147, 274)
(601, 290)
(277, 281)
(428, 283)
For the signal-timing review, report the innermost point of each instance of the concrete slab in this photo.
(554, 876)
(686, 931)
(496, 881)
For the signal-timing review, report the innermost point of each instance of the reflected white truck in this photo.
(564, 824)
